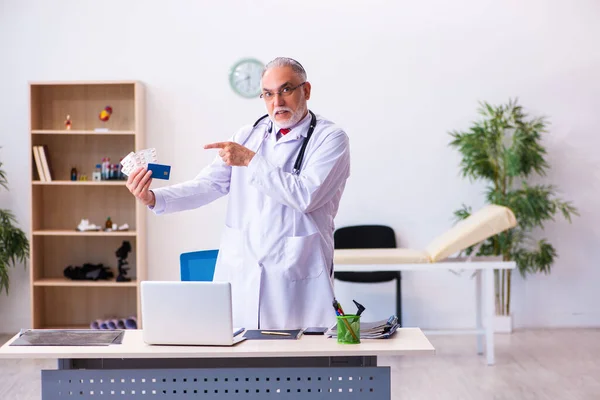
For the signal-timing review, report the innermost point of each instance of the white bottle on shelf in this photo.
(97, 174)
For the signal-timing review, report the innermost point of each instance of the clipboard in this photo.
(283, 334)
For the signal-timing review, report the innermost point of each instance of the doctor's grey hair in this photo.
(286, 62)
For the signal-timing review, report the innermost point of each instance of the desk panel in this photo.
(406, 341)
(215, 383)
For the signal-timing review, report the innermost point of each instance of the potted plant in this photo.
(14, 246)
(504, 149)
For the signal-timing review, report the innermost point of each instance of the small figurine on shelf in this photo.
(105, 113)
(121, 254)
(104, 117)
(68, 123)
(73, 174)
(85, 226)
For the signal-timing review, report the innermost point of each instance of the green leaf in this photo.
(14, 245)
(512, 162)
(536, 259)
(462, 213)
(3, 181)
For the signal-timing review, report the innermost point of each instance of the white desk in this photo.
(391, 260)
(313, 367)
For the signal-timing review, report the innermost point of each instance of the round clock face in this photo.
(245, 77)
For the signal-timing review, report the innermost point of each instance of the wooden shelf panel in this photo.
(64, 232)
(82, 183)
(59, 209)
(72, 283)
(61, 306)
(53, 254)
(84, 82)
(78, 132)
(51, 103)
(78, 327)
(83, 152)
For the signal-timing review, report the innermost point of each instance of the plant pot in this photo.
(503, 323)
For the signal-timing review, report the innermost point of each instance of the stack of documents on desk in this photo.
(373, 330)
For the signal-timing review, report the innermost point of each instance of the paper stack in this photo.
(373, 330)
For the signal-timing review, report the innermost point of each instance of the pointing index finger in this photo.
(218, 145)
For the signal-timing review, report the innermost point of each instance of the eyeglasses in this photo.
(286, 91)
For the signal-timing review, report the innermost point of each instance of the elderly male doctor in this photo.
(277, 245)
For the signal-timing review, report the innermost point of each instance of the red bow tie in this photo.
(284, 131)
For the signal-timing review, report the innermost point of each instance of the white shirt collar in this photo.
(300, 129)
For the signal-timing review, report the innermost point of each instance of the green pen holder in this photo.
(348, 329)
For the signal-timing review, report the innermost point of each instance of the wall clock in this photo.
(244, 77)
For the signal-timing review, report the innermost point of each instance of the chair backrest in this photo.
(364, 237)
(198, 265)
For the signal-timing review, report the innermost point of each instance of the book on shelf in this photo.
(38, 164)
(41, 156)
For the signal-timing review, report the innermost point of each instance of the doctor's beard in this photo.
(293, 120)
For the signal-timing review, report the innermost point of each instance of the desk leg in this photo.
(488, 291)
(479, 306)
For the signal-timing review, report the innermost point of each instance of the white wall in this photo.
(397, 75)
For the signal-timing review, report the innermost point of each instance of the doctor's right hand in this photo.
(138, 184)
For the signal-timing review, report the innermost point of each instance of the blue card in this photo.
(160, 171)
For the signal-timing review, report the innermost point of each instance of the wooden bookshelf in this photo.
(58, 206)
(83, 183)
(79, 132)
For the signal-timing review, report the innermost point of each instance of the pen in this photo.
(340, 308)
(276, 333)
(337, 307)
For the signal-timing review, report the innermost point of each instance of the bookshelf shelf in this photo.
(59, 203)
(75, 327)
(79, 132)
(81, 183)
(78, 233)
(73, 283)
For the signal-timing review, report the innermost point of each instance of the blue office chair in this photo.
(198, 265)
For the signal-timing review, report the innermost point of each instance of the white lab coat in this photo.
(277, 244)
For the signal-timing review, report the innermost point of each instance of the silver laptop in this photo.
(188, 313)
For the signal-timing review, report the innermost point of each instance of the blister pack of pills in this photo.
(138, 159)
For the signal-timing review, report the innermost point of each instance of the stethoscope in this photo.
(300, 158)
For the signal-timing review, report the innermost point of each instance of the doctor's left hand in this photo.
(233, 154)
